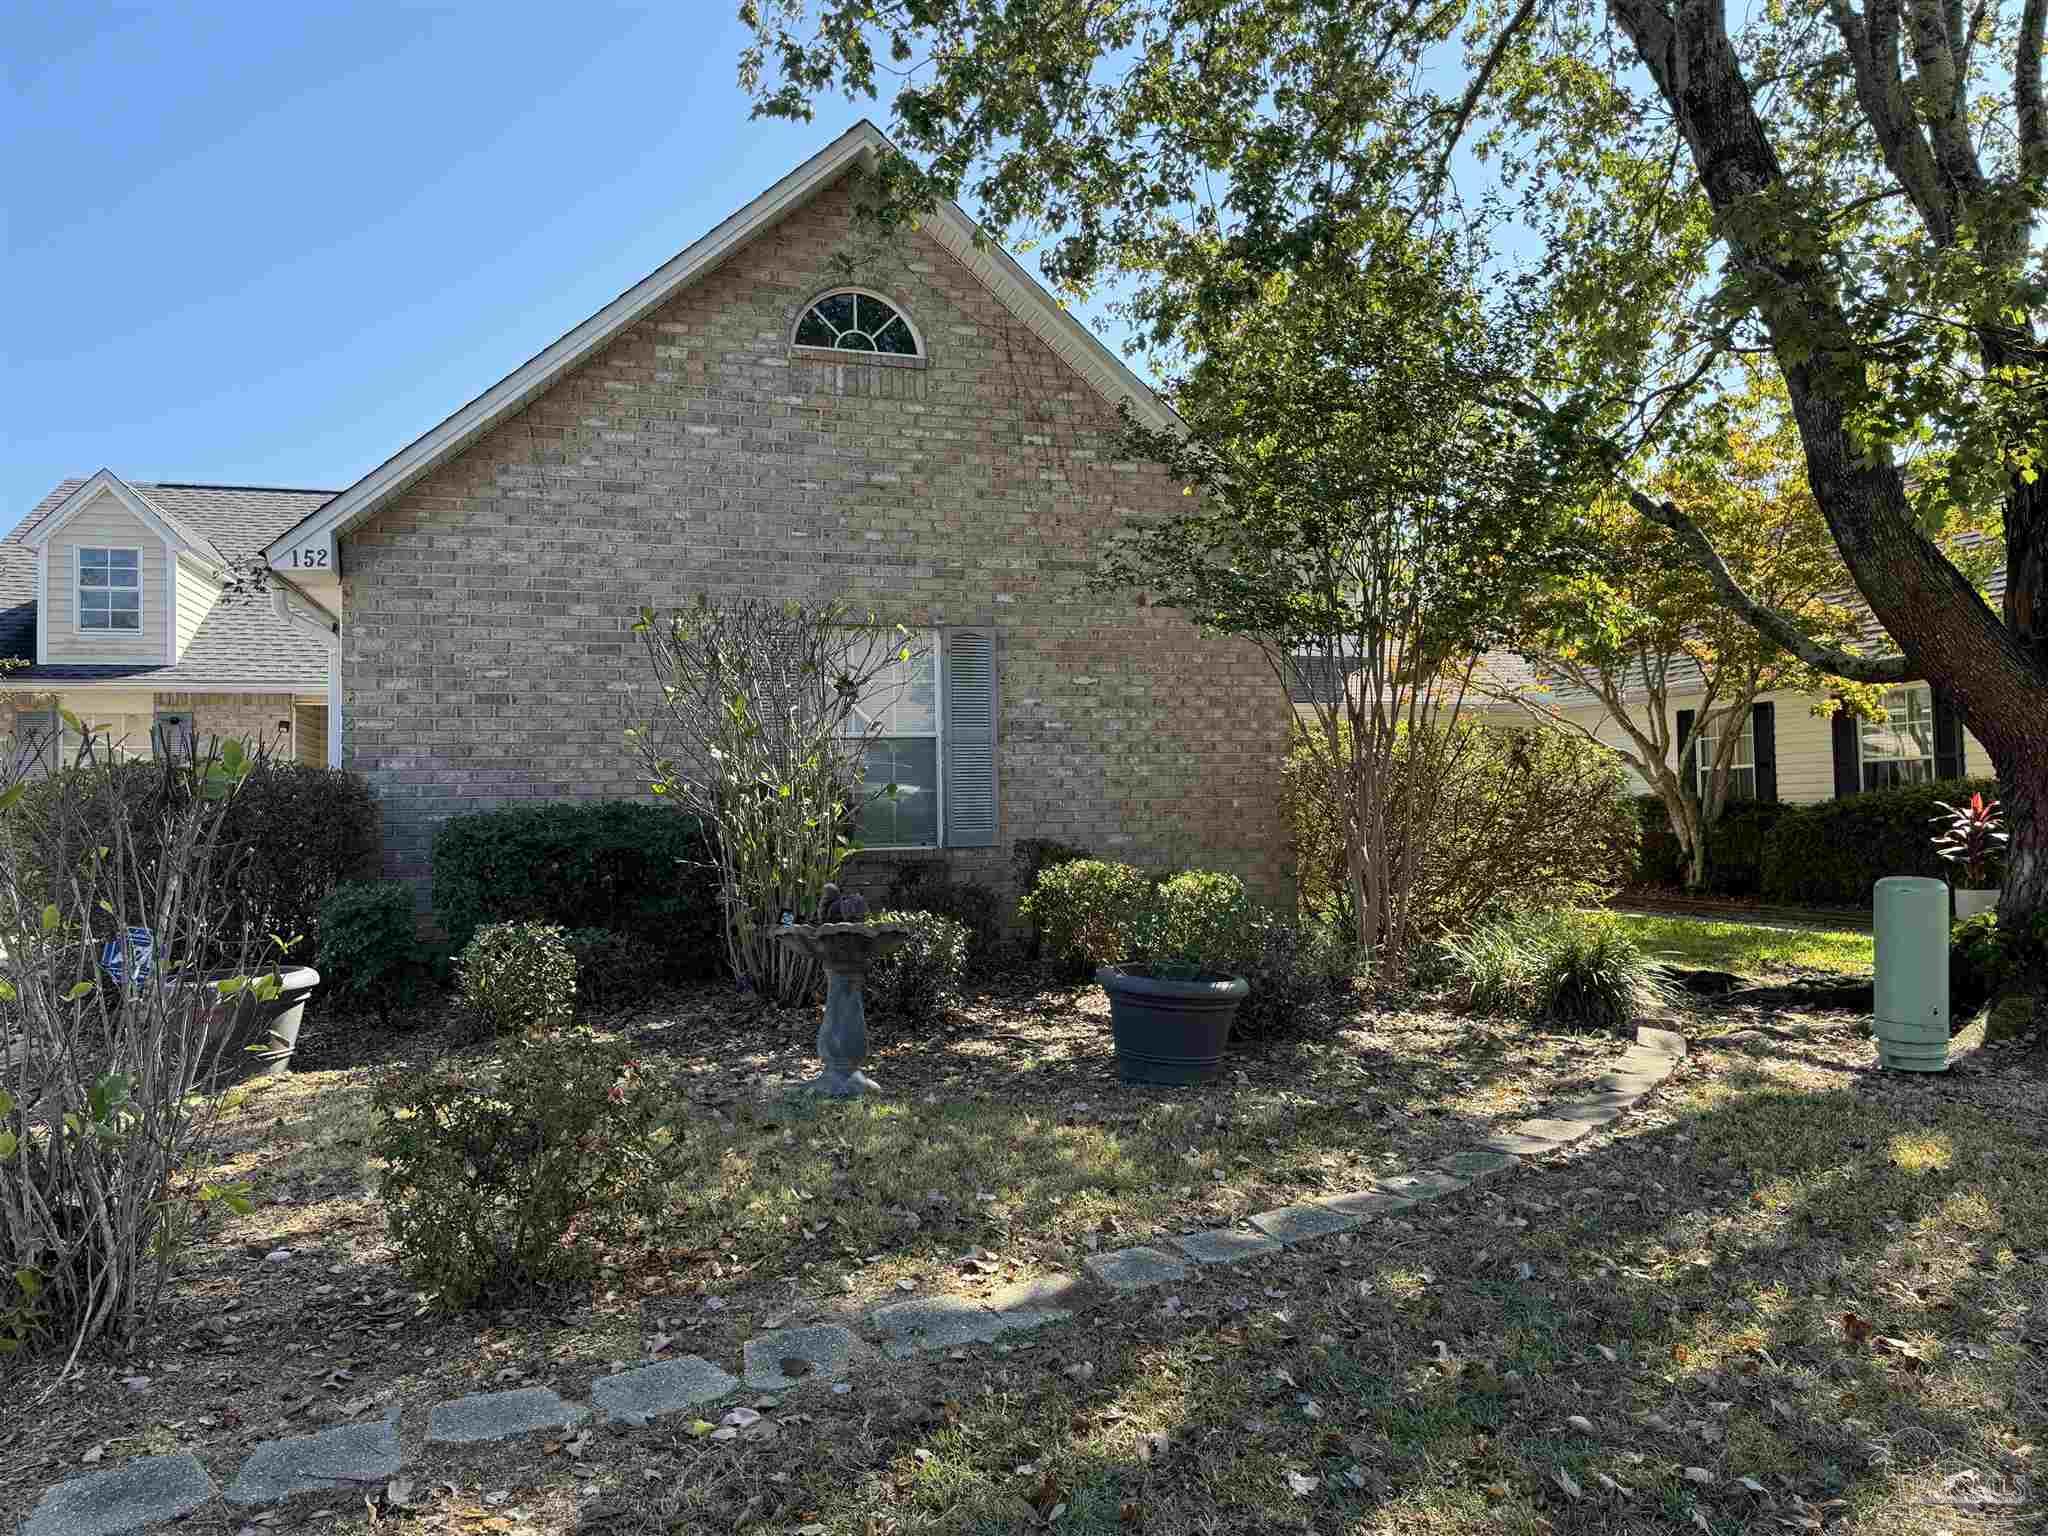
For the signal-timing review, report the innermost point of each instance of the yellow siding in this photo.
(196, 596)
(309, 730)
(1806, 743)
(105, 523)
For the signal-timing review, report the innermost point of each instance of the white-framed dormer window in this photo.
(1741, 767)
(109, 589)
(1899, 748)
(902, 707)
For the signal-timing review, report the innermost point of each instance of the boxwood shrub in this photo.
(1735, 846)
(1834, 851)
(642, 871)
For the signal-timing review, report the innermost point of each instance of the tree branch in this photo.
(1769, 622)
(2027, 89)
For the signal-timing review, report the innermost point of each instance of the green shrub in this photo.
(917, 982)
(292, 834)
(642, 871)
(497, 1189)
(612, 970)
(924, 887)
(370, 952)
(1194, 923)
(1088, 912)
(1987, 958)
(1292, 969)
(1031, 857)
(516, 977)
(1659, 859)
(1835, 851)
(1573, 969)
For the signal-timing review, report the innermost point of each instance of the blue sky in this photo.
(272, 244)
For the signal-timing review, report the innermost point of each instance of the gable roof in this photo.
(241, 640)
(1019, 291)
(163, 523)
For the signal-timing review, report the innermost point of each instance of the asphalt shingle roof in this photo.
(241, 641)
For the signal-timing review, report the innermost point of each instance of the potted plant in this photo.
(1172, 1005)
(1971, 836)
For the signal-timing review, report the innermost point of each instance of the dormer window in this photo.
(110, 589)
(855, 321)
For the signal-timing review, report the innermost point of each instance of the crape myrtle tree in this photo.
(1637, 630)
(1357, 510)
(1850, 188)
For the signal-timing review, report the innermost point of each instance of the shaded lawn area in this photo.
(1748, 949)
(1786, 1293)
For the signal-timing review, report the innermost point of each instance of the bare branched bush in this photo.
(760, 727)
(105, 1071)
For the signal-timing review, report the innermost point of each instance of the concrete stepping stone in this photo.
(1134, 1269)
(1517, 1144)
(1636, 1061)
(1367, 1203)
(1427, 1185)
(1299, 1223)
(943, 1322)
(1666, 1042)
(633, 1397)
(1601, 1109)
(1027, 1303)
(364, 1455)
(123, 1498)
(1556, 1132)
(824, 1349)
(1477, 1164)
(501, 1415)
(1225, 1245)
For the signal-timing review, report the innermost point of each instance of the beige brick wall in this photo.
(487, 657)
(250, 716)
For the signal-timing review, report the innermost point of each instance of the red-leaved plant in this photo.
(1972, 834)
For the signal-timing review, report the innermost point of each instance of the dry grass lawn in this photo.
(1789, 1293)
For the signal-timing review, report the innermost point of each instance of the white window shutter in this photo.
(970, 737)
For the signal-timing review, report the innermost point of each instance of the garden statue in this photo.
(846, 944)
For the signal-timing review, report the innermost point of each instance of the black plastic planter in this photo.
(1170, 1031)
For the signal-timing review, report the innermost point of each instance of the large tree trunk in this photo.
(1994, 668)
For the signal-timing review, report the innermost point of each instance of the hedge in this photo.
(642, 871)
(1735, 846)
(296, 834)
(1834, 851)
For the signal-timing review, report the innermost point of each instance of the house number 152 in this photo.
(309, 557)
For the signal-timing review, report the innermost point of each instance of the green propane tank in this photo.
(1911, 920)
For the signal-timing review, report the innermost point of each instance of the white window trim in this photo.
(921, 355)
(1703, 765)
(938, 735)
(1932, 757)
(78, 624)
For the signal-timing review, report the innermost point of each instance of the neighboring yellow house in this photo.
(1787, 751)
(116, 594)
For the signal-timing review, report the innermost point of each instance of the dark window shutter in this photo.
(1948, 738)
(1688, 754)
(1848, 768)
(1764, 719)
(970, 738)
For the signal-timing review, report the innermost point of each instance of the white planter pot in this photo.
(1970, 903)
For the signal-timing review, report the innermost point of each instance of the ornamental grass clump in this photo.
(105, 1077)
(1572, 969)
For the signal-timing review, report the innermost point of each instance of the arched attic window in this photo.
(853, 320)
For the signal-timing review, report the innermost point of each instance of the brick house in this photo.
(795, 405)
(113, 593)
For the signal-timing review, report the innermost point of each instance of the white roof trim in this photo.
(166, 527)
(999, 271)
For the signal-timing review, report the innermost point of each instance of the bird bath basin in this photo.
(846, 950)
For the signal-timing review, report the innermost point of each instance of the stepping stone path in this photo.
(792, 1357)
(154, 1489)
(501, 1415)
(355, 1454)
(634, 1397)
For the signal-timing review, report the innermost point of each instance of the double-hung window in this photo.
(1741, 767)
(1899, 748)
(900, 714)
(110, 589)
